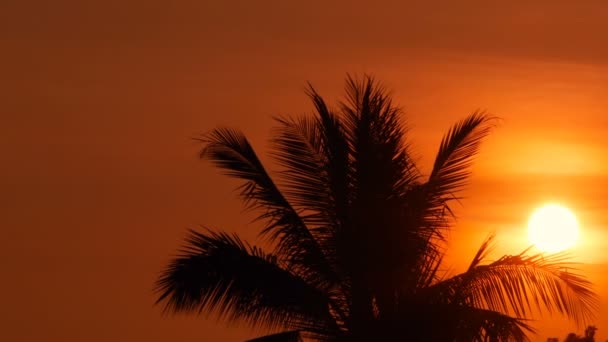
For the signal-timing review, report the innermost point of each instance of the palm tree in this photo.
(355, 238)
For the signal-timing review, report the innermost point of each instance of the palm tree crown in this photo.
(358, 236)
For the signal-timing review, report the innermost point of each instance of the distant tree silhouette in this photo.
(589, 335)
(357, 237)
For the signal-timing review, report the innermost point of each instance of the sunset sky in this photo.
(100, 99)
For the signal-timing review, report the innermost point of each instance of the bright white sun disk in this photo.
(553, 228)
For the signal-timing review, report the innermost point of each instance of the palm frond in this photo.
(451, 170)
(338, 171)
(483, 251)
(336, 153)
(381, 170)
(520, 283)
(457, 150)
(423, 320)
(381, 164)
(219, 273)
(481, 325)
(297, 146)
(231, 151)
(427, 271)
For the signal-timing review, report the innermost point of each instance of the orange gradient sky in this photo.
(99, 100)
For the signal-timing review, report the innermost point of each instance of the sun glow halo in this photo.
(553, 228)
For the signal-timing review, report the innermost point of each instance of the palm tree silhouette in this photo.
(356, 237)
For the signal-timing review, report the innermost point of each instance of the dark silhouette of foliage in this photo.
(589, 335)
(288, 336)
(357, 236)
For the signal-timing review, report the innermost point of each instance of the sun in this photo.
(553, 228)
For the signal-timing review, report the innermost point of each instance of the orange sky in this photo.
(99, 99)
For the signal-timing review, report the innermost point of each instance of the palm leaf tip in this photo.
(457, 150)
(484, 250)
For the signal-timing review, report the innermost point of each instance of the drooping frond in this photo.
(297, 146)
(217, 272)
(288, 336)
(231, 151)
(520, 283)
